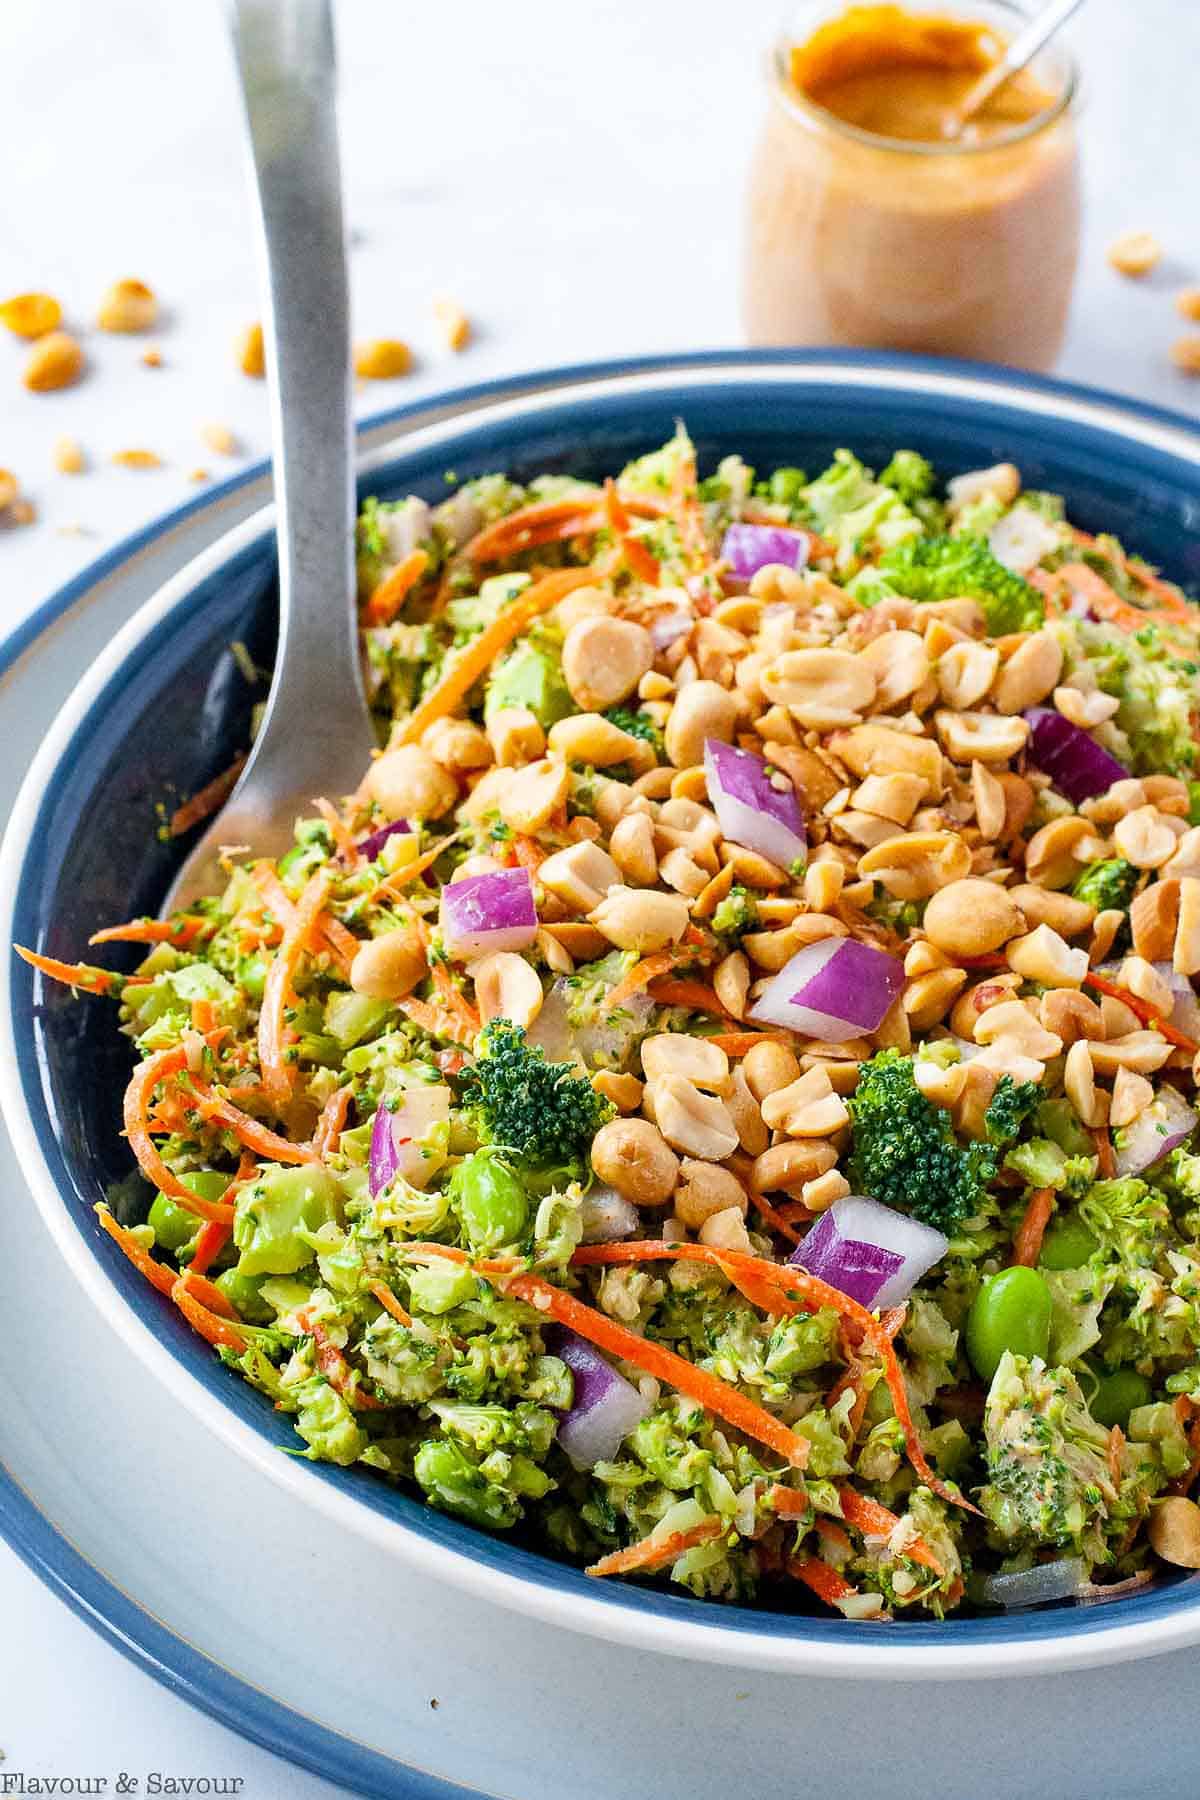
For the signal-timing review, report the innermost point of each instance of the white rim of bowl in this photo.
(713, 1643)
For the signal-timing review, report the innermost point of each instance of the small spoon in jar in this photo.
(1020, 52)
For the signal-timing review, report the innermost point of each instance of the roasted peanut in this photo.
(632, 1156)
(972, 917)
(603, 660)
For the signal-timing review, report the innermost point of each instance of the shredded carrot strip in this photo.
(332, 1120)
(789, 1503)
(1104, 1152)
(272, 1028)
(693, 994)
(216, 1331)
(155, 1272)
(655, 1553)
(389, 1302)
(832, 1536)
(208, 1294)
(640, 976)
(453, 998)
(528, 852)
(869, 1516)
(1184, 1483)
(209, 800)
(544, 521)
(210, 1242)
(738, 1043)
(391, 593)
(825, 1582)
(204, 1015)
(654, 1359)
(775, 1220)
(1106, 603)
(248, 1131)
(402, 877)
(818, 1294)
(479, 655)
(437, 1023)
(180, 931)
(339, 831)
(639, 559)
(328, 933)
(1141, 1009)
(77, 975)
(1027, 1245)
(338, 1373)
(138, 1094)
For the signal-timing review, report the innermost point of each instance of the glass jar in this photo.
(956, 248)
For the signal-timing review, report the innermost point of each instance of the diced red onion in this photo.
(1077, 765)
(1021, 539)
(486, 913)
(751, 810)
(371, 846)
(398, 1137)
(607, 1216)
(834, 989)
(605, 1407)
(868, 1251)
(666, 628)
(1058, 1580)
(749, 548)
(1185, 1014)
(1159, 1128)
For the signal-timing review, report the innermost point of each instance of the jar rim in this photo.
(810, 114)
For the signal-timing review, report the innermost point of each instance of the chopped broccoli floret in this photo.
(858, 513)
(909, 475)
(1011, 1105)
(736, 913)
(1048, 1460)
(942, 568)
(638, 725)
(1107, 885)
(904, 1152)
(543, 1113)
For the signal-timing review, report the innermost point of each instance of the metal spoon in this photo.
(316, 737)
(1021, 51)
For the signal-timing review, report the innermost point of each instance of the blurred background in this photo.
(572, 176)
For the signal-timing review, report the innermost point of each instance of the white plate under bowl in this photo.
(282, 1548)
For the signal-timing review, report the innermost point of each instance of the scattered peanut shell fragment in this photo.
(137, 459)
(251, 354)
(1185, 353)
(152, 357)
(56, 361)
(128, 306)
(220, 439)
(68, 456)
(382, 359)
(1187, 303)
(9, 489)
(22, 512)
(1135, 253)
(453, 323)
(30, 315)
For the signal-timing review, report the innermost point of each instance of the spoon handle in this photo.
(285, 56)
(1022, 50)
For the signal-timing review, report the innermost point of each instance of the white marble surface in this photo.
(571, 173)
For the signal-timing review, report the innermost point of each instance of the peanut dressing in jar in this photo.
(870, 224)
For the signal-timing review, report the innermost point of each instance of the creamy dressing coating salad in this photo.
(718, 1101)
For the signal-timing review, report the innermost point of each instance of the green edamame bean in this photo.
(490, 1201)
(173, 1225)
(785, 485)
(242, 1291)
(1067, 1245)
(1118, 1391)
(1011, 1311)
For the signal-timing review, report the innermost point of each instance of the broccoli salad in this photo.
(718, 1101)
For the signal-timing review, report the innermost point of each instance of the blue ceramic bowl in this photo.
(166, 706)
